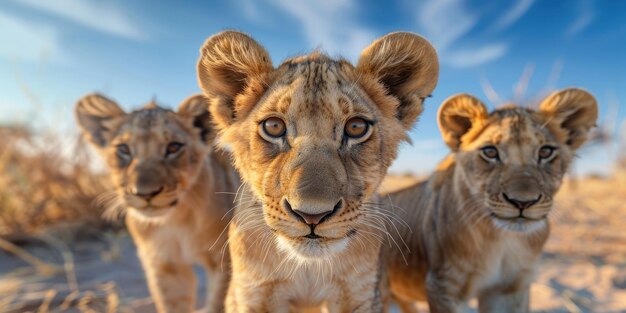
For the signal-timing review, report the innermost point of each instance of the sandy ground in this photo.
(101, 274)
(583, 270)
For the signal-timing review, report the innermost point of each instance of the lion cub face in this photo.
(514, 159)
(314, 137)
(154, 155)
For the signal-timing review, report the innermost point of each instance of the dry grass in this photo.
(96, 274)
(52, 285)
(41, 187)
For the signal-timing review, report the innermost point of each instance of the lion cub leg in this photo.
(444, 292)
(172, 285)
(244, 298)
(366, 306)
(171, 280)
(217, 289)
(514, 302)
(356, 296)
(406, 306)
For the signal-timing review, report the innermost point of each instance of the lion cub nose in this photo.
(146, 193)
(521, 204)
(310, 213)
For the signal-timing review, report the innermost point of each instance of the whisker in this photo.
(399, 235)
(389, 217)
(391, 238)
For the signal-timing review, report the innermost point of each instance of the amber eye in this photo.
(122, 150)
(356, 127)
(490, 152)
(274, 127)
(546, 152)
(173, 147)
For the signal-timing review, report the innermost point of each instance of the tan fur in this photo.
(277, 266)
(176, 227)
(467, 240)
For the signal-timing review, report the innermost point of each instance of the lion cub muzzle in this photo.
(521, 204)
(148, 188)
(316, 190)
(144, 184)
(307, 211)
(523, 195)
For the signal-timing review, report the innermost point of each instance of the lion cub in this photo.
(167, 175)
(480, 221)
(312, 139)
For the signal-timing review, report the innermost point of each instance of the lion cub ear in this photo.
(232, 65)
(458, 115)
(196, 108)
(95, 115)
(573, 110)
(406, 66)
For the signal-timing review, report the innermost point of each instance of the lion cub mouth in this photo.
(518, 223)
(519, 218)
(312, 246)
(151, 209)
(312, 235)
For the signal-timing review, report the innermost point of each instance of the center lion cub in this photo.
(481, 220)
(312, 139)
(167, 176)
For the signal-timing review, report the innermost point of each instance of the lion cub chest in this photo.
(311, 286)
(166, 239)
(508, 261)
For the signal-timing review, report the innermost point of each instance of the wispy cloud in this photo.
(327, 24)
(586, 15)
(24, 40)
(473, 57)
(445, 22)
(513, 15)
(96, 15)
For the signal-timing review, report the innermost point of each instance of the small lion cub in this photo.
(481, 220)
(166, 176)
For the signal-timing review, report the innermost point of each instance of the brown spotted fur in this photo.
(467, 241)
(176, 227)
(276, 268)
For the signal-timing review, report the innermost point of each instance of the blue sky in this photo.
(53, 52)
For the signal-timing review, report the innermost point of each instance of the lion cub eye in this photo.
(173, 147)
(356, 127)
(122, 150)
(546, 152)
(274, 127)
(490, 152)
